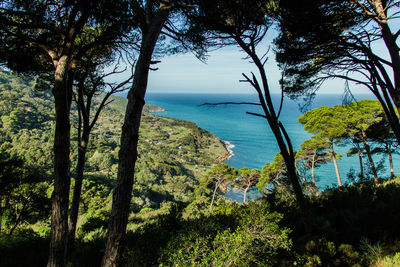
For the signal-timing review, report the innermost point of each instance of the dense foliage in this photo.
(173, 153)
(171, 223)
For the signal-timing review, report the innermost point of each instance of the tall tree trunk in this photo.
(80, 167)
(17, 220)
(291, 170)
(245, 194)
(390, 40)
(335, 163)
(389, 151)
(369, 156)
(279, 132)
(313, 168)
(299, 173)
(387, 106)
(122, 193)
(1, 213)
(361, 163)
(288, 157)
(213, 196)
(393, 49)
(60, 198)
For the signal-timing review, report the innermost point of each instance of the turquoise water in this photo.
(252, 140)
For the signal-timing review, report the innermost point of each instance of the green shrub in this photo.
(391, 261)
(321, 252)
(248, 236)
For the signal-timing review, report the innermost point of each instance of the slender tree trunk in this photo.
(279, 132)
(361, 163)
(1, 214)
(335, 163)
(213, 196)
(74, 212)
(313, 168)
(389, 151)
(393, 49)
(245, 194)
(369, 156)
(17, 221)
(390, 40)
(60, 198)
(387, 107)
(299, 173)
(122, 193)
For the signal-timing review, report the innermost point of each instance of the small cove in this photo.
(250, 138)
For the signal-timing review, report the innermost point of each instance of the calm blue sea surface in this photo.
(253, 141)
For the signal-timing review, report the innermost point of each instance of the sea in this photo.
(250, 139)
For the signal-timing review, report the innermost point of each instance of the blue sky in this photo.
(184, 73)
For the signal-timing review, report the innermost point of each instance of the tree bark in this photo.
(361, 163)
(387, 106)
(279, 132)
(60, 198)
(299, 173)
(389, 151)
(122, 193)
(245, 194)
(369, 156)
(1, 213)
(390, 42)
(213, 196)
(336, 165)
(17, 220)
(313, 168)
(80, 167)
(291, 171)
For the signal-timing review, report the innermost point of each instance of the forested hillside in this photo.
(88, 179)
(176, 215)
(173, 154)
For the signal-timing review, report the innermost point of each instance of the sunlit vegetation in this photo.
(171, 222)
(152, 187)
(173, 156)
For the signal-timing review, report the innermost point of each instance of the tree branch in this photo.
(256, 114)
(230, 103)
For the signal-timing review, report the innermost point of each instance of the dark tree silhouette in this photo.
(154, 19)
(42, 37)
(91, 94)
(245, 24)
(326, 39)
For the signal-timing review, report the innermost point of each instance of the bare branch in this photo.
(230, 103)
(256, 114)
(282, 95)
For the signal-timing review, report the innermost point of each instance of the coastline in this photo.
(150, 109)
(229, 146)
(229, 153)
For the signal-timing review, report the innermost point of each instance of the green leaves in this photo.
(271, 173)
(220, 171)
(327, 122)
(22, 193)
(364, 114)
(341, 121)
(312, 40)
(249, 236)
